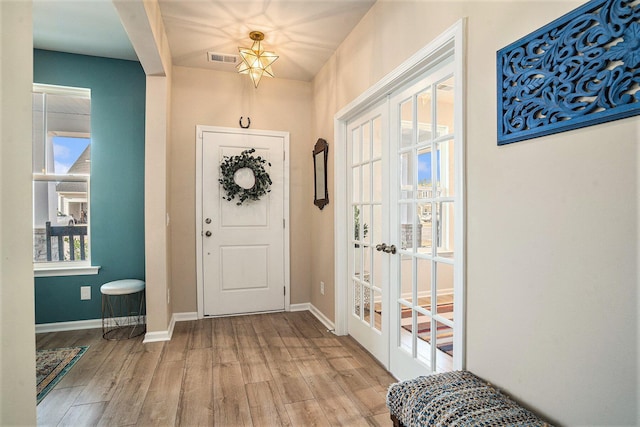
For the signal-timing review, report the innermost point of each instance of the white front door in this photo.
(243, 253)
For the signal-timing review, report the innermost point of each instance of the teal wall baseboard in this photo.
(69, 326)
(97, 324)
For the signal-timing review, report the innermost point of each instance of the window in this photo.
(61, 173)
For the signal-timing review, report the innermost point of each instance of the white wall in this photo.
(145, 28)
(157, 230)
(552, 227)
(17, 324)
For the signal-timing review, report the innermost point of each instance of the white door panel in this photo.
(424, 212)
(368, 319)
(243, 258)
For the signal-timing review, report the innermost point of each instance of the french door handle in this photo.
(390, 249)
(383, 247)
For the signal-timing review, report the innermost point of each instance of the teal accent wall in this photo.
(117, 179)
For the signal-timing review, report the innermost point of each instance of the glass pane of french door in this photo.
(424, 219)
(368, 273)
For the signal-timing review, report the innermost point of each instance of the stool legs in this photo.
(122, 316)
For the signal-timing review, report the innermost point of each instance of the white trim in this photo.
(44, 270)
(417, 64)
(460, 213)
(159, 336)
(186, 316)
(340, 227)
(78, 92)
(407, 296)
(85, 135)
(97, 324)
(322, 318)
(49, 177)
(69, 326)
(307, 306)
(287, 229)
(287, 249)
(199, 278)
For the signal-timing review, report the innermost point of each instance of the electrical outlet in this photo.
(322, 288)
(85, 292)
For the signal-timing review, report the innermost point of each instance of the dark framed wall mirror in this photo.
(320, 156)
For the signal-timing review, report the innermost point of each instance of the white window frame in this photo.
(64, 268)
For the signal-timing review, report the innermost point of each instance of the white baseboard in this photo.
(185, 317)
(69, 326)
(307, 306)
(158, 336)
(322, 318)
(97, 324)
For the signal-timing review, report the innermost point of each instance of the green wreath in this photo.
(230, 165)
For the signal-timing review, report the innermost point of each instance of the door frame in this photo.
(451, 39)
(199, 229)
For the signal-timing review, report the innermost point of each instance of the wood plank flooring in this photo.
(276, 369)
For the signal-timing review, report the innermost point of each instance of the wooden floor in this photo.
(261, 370)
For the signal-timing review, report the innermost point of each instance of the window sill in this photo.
(44, 270)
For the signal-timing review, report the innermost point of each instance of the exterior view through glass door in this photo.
(369, 219)
(425, 209)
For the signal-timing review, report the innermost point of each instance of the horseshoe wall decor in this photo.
(248, 123)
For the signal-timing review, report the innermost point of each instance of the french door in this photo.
(426, 213)
(369, 270)
(405, 236)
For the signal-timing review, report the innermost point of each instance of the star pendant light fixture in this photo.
(255, 61)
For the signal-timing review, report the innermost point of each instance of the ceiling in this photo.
(87, 27)
(304, 33)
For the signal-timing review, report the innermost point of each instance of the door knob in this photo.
(381, 247)
(208, 234)
(390, 249)
(208, 220)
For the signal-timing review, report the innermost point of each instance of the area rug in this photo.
(52, 365)
(444, 332)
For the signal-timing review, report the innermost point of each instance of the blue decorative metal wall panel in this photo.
(580, 70)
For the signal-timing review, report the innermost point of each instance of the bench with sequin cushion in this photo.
(456, 398)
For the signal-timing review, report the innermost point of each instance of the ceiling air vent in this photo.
(222, 58)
